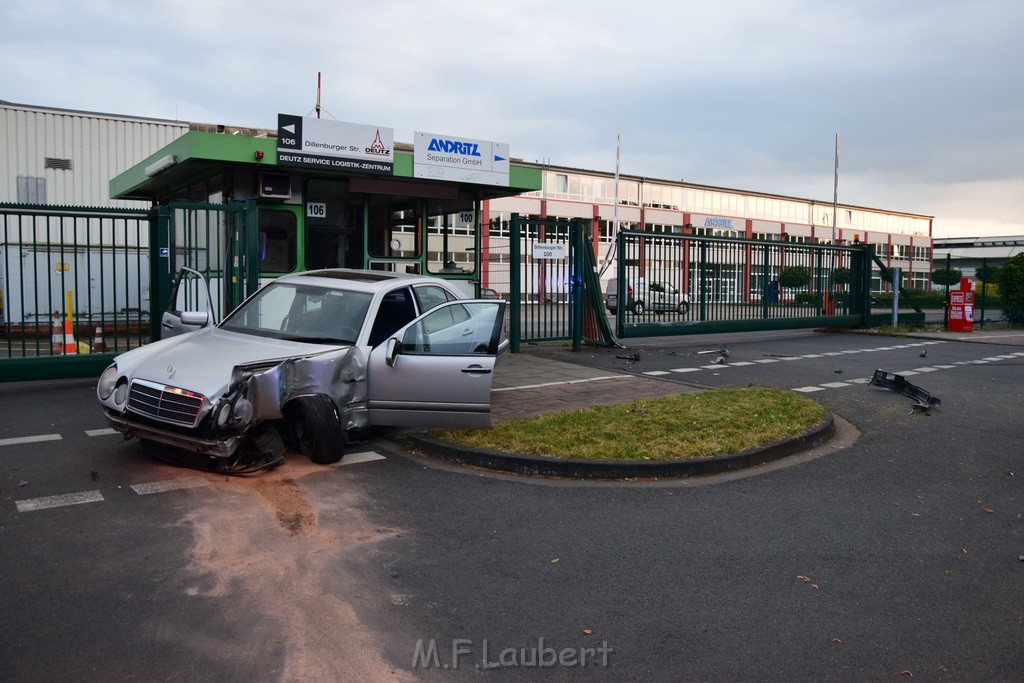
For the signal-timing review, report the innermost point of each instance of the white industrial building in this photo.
(67, 157)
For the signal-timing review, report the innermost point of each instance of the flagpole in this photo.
(835, 192)
(615, 209)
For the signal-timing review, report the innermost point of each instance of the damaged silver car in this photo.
(307, 364)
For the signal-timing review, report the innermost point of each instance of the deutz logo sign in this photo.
(333, 145)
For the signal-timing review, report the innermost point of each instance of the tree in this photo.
(1011, 286)
(946, 276)
(795, 277)
(841, 276)
(987, 274)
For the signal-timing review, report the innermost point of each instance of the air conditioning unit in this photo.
(275, 185)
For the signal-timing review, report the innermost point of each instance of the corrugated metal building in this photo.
(67, 157)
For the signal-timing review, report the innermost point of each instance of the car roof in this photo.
(361, 280)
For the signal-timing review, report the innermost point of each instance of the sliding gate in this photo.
(689, 284)
(554, 292)
(79, 285)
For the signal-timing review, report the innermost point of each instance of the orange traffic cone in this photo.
(70, 346)
(57, 342)
(97, 340)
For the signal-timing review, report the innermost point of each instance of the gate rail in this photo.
(79, 285)
(74, 288)
(736, 284)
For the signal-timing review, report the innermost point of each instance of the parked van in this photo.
(611, 296)
(656, 296)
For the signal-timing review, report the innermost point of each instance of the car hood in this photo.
(203, 361)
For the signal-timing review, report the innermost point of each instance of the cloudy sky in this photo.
(927, 96)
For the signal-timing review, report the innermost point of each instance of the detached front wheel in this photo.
(638, 308)
(315, 428)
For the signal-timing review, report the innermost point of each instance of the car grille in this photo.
(165, 403)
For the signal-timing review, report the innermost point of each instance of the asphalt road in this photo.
(894, 551)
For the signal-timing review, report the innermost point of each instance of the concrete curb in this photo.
(544, 466)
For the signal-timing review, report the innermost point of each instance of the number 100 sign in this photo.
(547, 250)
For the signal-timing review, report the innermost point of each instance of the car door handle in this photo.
(477, 370)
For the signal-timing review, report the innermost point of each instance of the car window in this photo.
(317, 314)
(429, 296)
(656, 287)
(395, 311)
(453, 330)
(267, 311)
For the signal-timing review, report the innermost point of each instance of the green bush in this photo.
(807, 298)
(795, 277)
(1011, 287)
(922, 298)
(841, 276)
(946, 276)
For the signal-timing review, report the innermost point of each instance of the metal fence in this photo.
(79, 285)
(74, 284)
(688, 284)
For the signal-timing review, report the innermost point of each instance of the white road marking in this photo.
(808, 390)
(686, 369)
(168, 485)
(836, 385)
(101, 432)
(29, 439)
(657, 373)
(59, 501)
(365, 456)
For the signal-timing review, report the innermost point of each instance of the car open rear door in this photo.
(437, 371)
(190, 307)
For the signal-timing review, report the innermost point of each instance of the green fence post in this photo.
(515, 284)
(576, 246)
(161, 266)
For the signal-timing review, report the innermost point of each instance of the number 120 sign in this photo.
(542, 250)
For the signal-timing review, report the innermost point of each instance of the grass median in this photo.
(705, 424)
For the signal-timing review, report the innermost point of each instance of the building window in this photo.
(31, 190)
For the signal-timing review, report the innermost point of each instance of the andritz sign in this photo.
(447, 157)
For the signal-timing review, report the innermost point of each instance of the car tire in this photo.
(638, 308)
(683, 308)
(315, 428)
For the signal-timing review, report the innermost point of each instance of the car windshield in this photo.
(302, 313)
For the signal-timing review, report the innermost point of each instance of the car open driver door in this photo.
(437, 371)
(190, 307)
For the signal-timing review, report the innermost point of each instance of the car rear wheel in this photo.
(316, 429)
(683, 308)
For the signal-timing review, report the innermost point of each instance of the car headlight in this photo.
(108, 380)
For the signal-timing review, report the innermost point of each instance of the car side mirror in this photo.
(394, 348)
(195, 318)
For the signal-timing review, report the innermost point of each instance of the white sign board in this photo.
(446, 157)
(333, 145)
(549, 251)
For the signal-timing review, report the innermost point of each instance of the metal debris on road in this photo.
(888, 380)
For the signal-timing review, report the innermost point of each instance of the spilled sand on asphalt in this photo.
(258, 547)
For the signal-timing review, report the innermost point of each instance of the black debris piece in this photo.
(899, 383)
